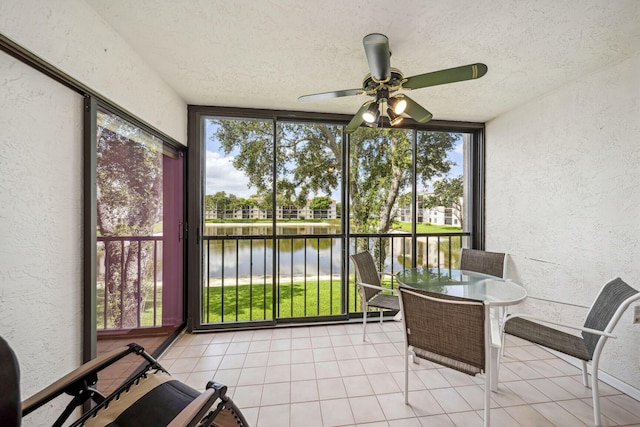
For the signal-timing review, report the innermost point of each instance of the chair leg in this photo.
(594, 392)
(487, 398)
(495, 348)
(585, 374)
(365, 308)
(412, 355)
(380, 310)
(489, 352)
(495, 365)
(502, 316)
(406, 374)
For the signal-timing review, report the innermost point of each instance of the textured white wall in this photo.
(563, 199)
(72, 36)
(41, 173)
(40, 225)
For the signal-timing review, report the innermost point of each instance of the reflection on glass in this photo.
(129, 206)
(139, 284)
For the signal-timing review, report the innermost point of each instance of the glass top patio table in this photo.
(463, 283)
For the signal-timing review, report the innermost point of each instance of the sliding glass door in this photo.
(237, 241)
(279, 205)
(140, 237)
(272, 227)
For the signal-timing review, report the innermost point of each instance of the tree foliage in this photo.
(129, 203)
(448, 193)
(405, 200)
(308, 160)
(321, 202)
(380, 165)
(220, 201)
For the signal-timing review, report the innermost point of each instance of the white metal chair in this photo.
(612, 300)
(451, 331)
(370, 288)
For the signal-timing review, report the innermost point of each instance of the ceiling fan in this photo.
(384, 82)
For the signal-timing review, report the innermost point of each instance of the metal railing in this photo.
(258, 278)
(129, 282)
(239, 282)
(265, 278)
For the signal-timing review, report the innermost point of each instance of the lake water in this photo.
(300, 257)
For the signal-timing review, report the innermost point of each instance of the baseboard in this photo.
(603, 376)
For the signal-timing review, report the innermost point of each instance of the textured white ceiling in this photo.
(266, 53)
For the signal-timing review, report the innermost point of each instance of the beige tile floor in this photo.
(114, 375)
(326, 376)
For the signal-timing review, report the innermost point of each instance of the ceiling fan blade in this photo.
(450, 75)
(416, 111)
(376, 47)
(357, 120)
(328, 95)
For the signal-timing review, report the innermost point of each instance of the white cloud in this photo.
(222, 176)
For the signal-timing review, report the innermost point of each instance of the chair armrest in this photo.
(194, 411)
(58, 387)
(380, 288)
(564, 325)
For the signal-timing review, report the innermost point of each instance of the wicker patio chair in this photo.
(482, 262)
(612, 300)
(370, 288)
(450, 331)
(150, 398)
(492, 263)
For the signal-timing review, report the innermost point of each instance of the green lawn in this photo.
(253, 302)
(426, 228)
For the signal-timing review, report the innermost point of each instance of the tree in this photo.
(404, 201)
(129, 203)
(308, 159)
(216, 203)
(380, 169)
(448, 194)
(320, 202)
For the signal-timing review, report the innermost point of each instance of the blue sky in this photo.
(457, 157)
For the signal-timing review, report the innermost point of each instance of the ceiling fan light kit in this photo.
(397, 104)
(383, 82)
(394, 119)
(372, 113)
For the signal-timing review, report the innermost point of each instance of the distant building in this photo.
(282, 212)
(439, 215)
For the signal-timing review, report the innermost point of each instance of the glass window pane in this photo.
(129, 220)
(380, 173)
(308, 219)
(440, 202)
(140, 244)
(237, 214)
(272, 209)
